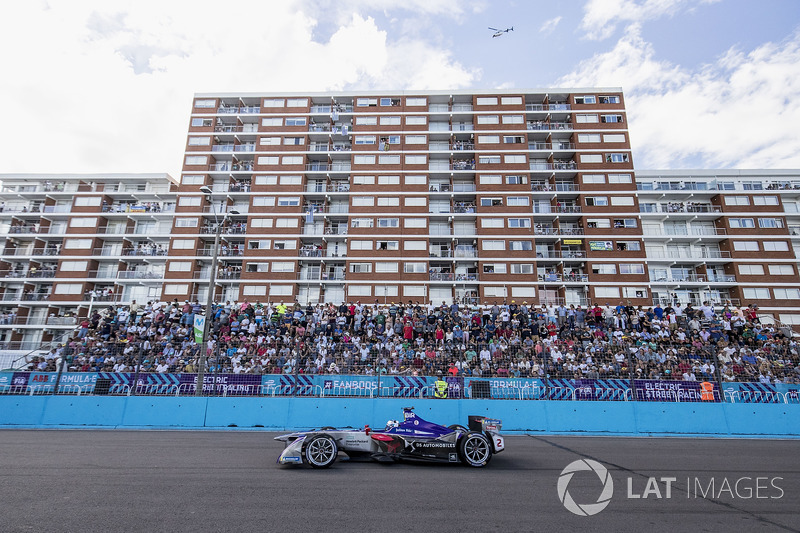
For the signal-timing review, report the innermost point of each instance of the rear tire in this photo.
(475, 450)
(320, 451)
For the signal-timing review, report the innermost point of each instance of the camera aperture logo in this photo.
(585, 509)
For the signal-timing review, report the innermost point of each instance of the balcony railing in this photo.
(547, 107)
(689, 255)
(234, 110)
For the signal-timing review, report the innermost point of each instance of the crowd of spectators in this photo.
(503, 340)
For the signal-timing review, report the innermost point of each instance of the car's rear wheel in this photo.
(475, 450)
(320, 451)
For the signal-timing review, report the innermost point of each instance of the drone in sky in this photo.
(498, 33)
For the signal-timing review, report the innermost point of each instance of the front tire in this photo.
(320, 451)
(475, 450)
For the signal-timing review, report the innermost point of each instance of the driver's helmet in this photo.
(392, 424)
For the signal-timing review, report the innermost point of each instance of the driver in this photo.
(391, 424)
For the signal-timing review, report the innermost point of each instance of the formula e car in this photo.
(412, 439)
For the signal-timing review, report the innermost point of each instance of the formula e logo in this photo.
(586, 509)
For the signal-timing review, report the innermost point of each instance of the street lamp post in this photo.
(201, 365)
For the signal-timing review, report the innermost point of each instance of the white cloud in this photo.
(98, 87)
(601, 17)
(740, 111)
(548, 26)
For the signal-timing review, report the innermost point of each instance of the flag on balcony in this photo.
(310, 214)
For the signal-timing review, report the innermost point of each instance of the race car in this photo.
(412, 439)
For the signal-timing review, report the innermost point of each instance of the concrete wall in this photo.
(538, 417)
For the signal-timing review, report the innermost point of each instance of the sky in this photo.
(108, 84)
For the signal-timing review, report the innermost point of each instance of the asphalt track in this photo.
(109, 480)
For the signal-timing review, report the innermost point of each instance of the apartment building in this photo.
(422, 196)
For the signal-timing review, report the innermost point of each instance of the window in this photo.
(74, 266)
(516, 158)
(199, 141)
(285, 245)
(363, 201)
(416, 101)
(789, 319)
(196, 159)
(745, 246)
(634, 292)
(776, 246)
(192, 179)
(490, 291)
(363, 180)
(176, 288)
(494, 268)
(786, 294)
(594, 178)
(388, 201)
(610, 118)
(614, 138)
(386, 266)
(765, 200)
(415, 268)
(770, 223)
(273, 102)
(622, 200)
(193, 201)
(361, 222)
(282, 266)
(488, 119)
(513, 119)
(493, 245)
(268, 160)
(737, 200)
(513, 139)
(415, 222)
(83, 222)
(364, 139)
(603, 268)
(598, 223)
(361, 245)
(389, 160)
(266, 180)
(202, 122)
(518, 201)
(633, 246)
(360, 268)
(388, 245)
(205, 103)
(186, 222)
(619, 178)
(756, 293)
(416, 139)
(779, 270)
(281, 290)
(492, 223)
(295, 121)
(587, 118)
(291, 180)
(510, 100)
(519, 223)
(609, 99)
(416, 180)
(486, 100)
(520, 245)
(364, 160)
(416, 159)
(585, 99)
(617, 158)
(523, 292)
(415, 245)
(491, 202)
(754, 270)
(415, 290)
(180, 266)
(294, 140)
(489, 159)
(286, 222)
(488, 139)
(390, 120)
(597, 200)
(254, 290)
(292, 160)
(366, 121)
(366, 102)
(260, 222)
(359, 290)
(591, 158)
(288, 201)
(741, 223)
(521, 268)
(388, 222)
(415, 201)
(631, 268)
(416, 121)
(491, 180)
(263, 201)
(588, 137)
(516, 180)
(625, 223)
(606, 292)
(183, 244)
(272, 121)
(259, 245)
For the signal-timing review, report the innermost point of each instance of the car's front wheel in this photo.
(320, 451)
(475, 450)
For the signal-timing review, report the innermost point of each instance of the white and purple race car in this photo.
(412, 439)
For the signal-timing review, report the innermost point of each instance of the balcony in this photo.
(567, 209)
(310, 251)
(226, 166)
(231, 128)
(559, 254)
(678, 207)
(683, 232)
(235, 110)
(140, 274)
(688, 255)
(224, 252)
(462, 165)
(547, 107)
(27, 229)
